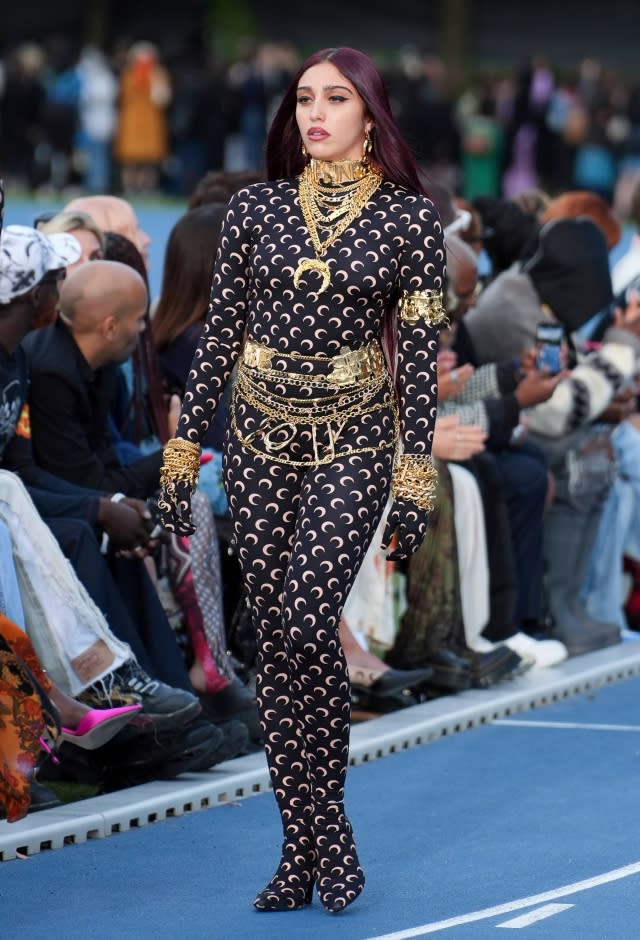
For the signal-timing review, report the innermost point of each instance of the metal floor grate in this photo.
(117, 812)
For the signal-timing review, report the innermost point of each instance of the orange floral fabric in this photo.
(24, 717)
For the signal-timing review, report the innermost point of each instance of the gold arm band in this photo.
(181, 461)
(414, 479)
(422, 305)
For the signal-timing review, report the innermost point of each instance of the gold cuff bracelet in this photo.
(414, 479)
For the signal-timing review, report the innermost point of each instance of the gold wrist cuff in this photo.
(424, 305)
(181, 462)
(414, 479)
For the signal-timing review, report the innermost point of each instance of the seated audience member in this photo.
(28, 259)
(581, 203)
(473, 559)
(139, 413)
(468, 226)
(84, 230)
(568, 273)
(566, 281)
(113, 214)
(627, 268)
(532, 201)
(618, 536)
(73, 379)
(116, 217)
(369, 609)
(86, 661)
(513, 478)
(179, 319)
(431, 630)
(194, 565)
(219, 186)
(509, 231)
(102, 309)
(33, 708)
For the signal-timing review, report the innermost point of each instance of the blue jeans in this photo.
(10, 600)
(97, 176)
(618, 533)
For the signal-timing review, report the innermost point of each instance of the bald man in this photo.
(74, 378)
(113, 214)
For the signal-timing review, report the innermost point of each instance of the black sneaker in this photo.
(234, 702)
(42, 797)
(163, 756)
(236, 741)
(163, 705)
(205, 746)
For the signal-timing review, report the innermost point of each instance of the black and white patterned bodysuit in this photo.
(301, 531)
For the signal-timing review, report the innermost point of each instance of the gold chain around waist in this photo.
(347, 368)
(363, 370)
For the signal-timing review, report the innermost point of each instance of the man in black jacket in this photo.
(73, 370)
(31, 266)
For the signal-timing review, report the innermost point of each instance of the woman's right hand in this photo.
(174, 506)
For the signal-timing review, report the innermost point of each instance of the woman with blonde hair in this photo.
(83, 229)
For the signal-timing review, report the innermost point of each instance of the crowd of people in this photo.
(148, 633)
(142, 119)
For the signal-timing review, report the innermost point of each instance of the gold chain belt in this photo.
(347, 368)
(362, 369)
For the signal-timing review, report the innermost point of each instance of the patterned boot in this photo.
(292, 885)
(339, 877)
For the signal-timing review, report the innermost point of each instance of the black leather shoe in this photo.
(449, 672)
(390, 682)
(42, 797)
(234, 703)
(489, 668)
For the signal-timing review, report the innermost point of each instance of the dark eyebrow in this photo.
(326, 88)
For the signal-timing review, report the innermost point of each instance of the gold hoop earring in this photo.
(368, 144)
(303, 150)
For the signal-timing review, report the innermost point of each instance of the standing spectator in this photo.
(21, 114)
(246, 83)
(60, 115)
(141, 143)
(481, 145)
(97, 118)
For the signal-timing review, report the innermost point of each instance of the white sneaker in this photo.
(545, 653)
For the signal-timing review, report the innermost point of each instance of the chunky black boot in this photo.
(292, 885)
(339, 877)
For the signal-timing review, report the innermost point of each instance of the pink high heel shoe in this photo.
(98, 726)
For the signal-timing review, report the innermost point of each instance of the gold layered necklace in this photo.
(332, 195)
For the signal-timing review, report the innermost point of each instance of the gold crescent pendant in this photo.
(313, 264)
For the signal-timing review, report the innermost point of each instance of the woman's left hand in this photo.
(409, 524)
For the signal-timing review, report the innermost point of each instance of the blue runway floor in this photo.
(499, 814)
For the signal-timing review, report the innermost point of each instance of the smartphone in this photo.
(549, 338)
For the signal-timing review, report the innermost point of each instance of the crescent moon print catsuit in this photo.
(307, 469)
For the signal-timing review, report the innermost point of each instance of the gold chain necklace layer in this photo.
(332, 209)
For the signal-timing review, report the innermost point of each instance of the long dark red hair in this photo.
(283, 154)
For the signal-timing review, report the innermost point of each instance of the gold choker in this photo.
(338, 171)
